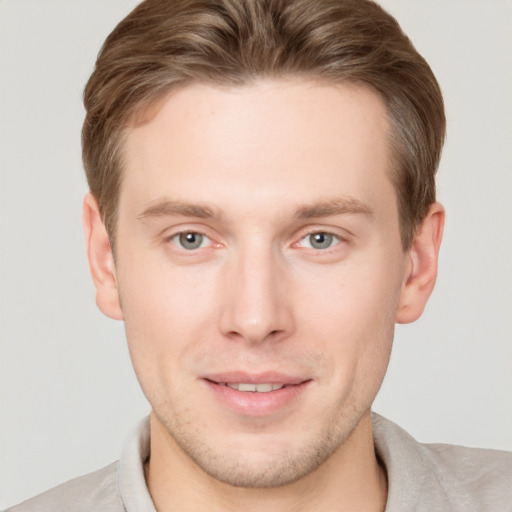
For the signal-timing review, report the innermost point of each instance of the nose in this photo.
(257, 306)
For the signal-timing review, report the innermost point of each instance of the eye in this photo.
(190, 240)
(320, 240)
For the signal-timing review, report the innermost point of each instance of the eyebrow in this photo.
(330, 207)
(170, 208)
(336, 206)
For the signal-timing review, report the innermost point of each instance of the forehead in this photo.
(284, 139)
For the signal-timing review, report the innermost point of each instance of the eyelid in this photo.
(324, 230)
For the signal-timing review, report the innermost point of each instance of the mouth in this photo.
(256, 395)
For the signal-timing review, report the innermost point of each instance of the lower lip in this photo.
(249, 403)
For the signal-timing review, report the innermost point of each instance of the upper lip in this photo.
(268, 377)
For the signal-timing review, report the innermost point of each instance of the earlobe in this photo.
(101, 259)
(421, 273)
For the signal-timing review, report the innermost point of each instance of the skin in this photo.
(254, 171)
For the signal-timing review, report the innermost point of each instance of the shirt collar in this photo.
(400, 454)
(131, 478)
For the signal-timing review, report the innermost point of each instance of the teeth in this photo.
(260, 388)
(263, 388)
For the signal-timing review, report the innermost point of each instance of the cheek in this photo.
(167, 313)
(351, 313)
(157, 293)
(352, 297)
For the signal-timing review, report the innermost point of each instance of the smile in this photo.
(256, 395)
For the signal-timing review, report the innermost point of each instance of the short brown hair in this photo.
(163, 44)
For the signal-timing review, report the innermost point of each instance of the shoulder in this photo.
(475, 477)
(425, 477)
(95, 491)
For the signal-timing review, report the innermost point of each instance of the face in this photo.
(260, 270)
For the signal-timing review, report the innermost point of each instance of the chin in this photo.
(265, 462)
(258, 472)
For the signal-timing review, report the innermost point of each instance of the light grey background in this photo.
(68, 394)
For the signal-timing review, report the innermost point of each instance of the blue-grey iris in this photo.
(320, 240)
(191, 240)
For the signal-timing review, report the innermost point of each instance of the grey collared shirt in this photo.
(421, 478)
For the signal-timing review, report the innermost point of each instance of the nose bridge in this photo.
(256, 308)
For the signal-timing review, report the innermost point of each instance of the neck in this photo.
(351, 479)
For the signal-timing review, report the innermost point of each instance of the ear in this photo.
(422, 266)
(101, 259)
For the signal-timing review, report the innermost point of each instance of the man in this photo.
(262, 212)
